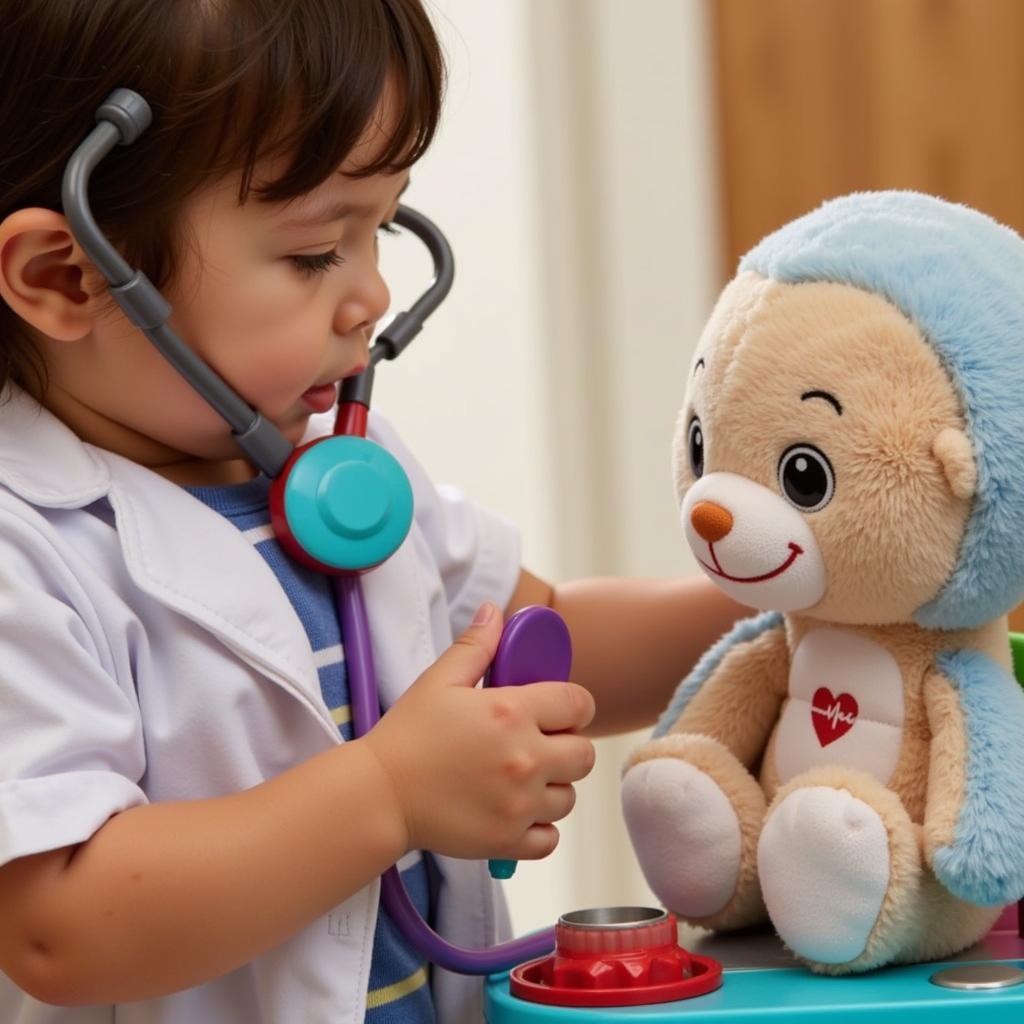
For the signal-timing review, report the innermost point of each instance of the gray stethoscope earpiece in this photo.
(128, 112)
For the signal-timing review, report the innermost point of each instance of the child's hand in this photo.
(482, 773)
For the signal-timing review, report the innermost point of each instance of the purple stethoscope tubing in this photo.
(365, 715)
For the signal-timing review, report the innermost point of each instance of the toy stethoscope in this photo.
(340, 504)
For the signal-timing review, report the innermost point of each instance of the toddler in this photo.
(189, 834)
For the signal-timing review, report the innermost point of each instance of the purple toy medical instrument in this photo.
(535, 647)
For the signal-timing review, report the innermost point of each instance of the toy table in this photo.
(764, 984)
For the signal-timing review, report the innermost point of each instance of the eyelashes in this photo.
(318, 263)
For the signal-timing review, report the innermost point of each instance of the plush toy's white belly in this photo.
(845, 706)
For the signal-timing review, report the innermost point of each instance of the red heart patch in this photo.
(832, 717)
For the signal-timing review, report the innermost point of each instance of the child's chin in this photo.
(295, 427)
(300, 422)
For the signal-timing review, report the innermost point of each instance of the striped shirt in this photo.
(399, 991)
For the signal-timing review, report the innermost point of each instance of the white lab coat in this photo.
(147, 653)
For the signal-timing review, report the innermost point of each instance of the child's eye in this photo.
(318, 262)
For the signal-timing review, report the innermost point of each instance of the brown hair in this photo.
(229, 81)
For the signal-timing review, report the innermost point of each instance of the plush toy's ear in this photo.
(953, 450)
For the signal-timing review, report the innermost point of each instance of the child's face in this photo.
(261, 299)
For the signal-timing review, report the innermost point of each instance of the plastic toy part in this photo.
(343, 505)
(1017, 653)
(535, 647)
(502, 870)
(615, 956)
(979, 977)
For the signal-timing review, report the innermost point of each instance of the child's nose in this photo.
(365, 302)
(711, 521)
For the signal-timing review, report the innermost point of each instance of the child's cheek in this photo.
(281, 363)
(267, 333)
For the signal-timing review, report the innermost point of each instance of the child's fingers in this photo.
(537, 842)
(556, 804)
(465, 662)
(557, 707)
(568, 758)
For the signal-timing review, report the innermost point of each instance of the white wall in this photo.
(574, 178)
(468, 392)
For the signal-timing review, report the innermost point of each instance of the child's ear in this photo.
(44, 275)
(953, 450)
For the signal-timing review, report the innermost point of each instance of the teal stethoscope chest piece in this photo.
(348, 502)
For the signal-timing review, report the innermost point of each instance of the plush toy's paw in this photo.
(685, 833)
(823, 860)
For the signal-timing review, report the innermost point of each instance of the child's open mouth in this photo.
(321, 398)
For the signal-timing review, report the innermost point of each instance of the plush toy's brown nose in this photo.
(711, 521)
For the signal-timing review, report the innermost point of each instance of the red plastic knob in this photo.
(615, 956)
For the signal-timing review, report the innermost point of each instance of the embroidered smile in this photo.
(794, 551)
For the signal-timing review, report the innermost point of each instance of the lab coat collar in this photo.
(42, 460)
(170, 541)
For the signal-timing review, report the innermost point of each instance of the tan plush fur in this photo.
(948, 768)
(953, 450)
(738, 715)
(888, 542)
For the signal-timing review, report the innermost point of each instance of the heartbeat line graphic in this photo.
(832, 716)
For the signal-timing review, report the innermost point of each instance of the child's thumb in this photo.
(469, 657)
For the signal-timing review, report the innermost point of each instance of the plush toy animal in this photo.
(850, 458)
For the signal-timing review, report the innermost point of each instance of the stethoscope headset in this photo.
(340, 504)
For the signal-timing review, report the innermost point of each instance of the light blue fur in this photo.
(959, 276)
(744, 630)
(985, 863)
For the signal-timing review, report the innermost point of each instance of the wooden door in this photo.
(817, 98)
(821, 97)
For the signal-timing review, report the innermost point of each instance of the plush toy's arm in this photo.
(734, 692)
(974, 817)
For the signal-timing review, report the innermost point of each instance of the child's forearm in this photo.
(635, 639)
(167, 896)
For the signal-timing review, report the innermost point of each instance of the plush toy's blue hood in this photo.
(959, 276)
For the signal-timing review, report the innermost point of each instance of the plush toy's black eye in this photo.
(806, 477)
(695, 445)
